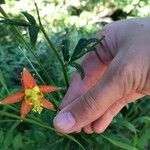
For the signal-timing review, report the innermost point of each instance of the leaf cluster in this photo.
(31, 25)
(83, 47)
(129, 130)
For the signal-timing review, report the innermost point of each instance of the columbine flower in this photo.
(32, 95)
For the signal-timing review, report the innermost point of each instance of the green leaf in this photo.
(30, 18)
(2, 1)
(84, 46)
(65, 49)
(127, 124)
(33, 33)
(79, 47)
(91, 41)
(17, 22)
(17, 142)
(117, 141)
(79, 69)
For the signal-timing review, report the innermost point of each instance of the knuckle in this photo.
(107, 48)
(89, 102)
(111, 112)
(123, 102)
(88, 129)
(98, 129)
(114, 110)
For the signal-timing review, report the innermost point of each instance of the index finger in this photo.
(94, 69)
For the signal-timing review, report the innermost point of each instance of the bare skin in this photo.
(118, 75)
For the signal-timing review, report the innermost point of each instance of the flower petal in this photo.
(25, 109)
(48, 89)
(13, 98)
(27, 79)
(46, 104)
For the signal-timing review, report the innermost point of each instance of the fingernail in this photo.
(64, 121)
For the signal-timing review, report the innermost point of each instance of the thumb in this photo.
(90, 106)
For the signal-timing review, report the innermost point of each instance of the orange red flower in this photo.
(31, 94)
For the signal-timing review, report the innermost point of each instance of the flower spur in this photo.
(32, 95)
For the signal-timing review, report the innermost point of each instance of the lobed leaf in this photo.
(79, 48)
(30, 18)
(33, 33)
(83, 47)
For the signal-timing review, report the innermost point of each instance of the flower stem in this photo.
(53, 48)
(20, 38)
(41, 124)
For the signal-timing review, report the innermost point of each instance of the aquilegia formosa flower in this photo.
(32, 95)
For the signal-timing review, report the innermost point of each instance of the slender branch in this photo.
(53, 48)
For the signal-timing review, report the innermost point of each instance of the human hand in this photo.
(118, 75)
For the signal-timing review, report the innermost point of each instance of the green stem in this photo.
(44, 125)
(8, 120)
(22, 40)
(3, 12)
(34, 55)
(32, 66)
(53, 48)
(59, 58)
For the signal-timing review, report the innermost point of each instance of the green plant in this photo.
(129, 130)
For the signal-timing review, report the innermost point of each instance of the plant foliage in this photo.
(70, 29)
